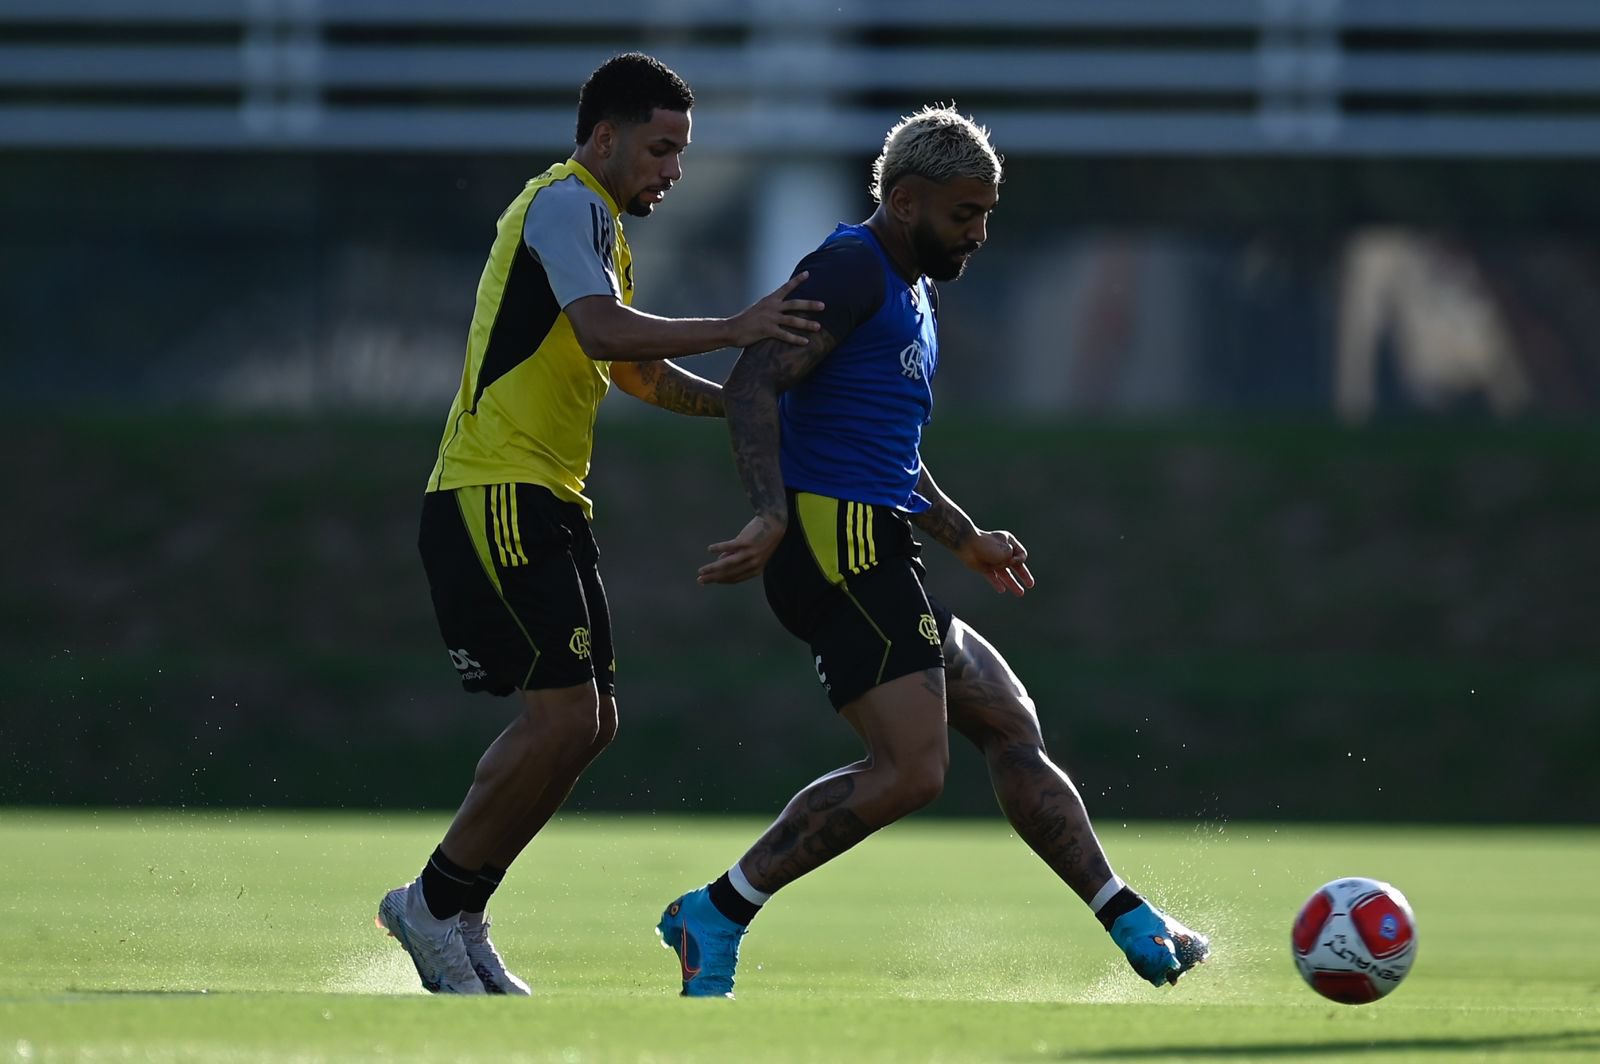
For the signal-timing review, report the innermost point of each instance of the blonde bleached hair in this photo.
(937, 143)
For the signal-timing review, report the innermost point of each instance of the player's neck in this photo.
(896, 245)
(591, 161)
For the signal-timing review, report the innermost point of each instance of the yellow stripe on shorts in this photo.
(470, 500)
(819, 521)
(858, 534)
(850, 535)
(516, 529)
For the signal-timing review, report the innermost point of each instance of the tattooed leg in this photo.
(903, 724)
(991, 708)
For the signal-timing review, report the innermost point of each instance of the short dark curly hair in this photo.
(627, 88)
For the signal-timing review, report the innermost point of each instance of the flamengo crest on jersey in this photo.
(911, 360)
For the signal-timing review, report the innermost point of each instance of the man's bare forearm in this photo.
(671, 387)
(946, 522)
(612, 332)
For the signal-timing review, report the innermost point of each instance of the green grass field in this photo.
(145, 936)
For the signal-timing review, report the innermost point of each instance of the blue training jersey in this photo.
(852, 429)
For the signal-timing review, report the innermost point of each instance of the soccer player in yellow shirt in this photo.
(505, 538)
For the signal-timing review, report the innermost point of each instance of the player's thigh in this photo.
(902, 721)
(986, 698)
(507, 592)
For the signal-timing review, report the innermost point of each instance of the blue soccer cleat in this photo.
(1159, 948)
(706, 942)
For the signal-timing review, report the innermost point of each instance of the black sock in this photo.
(731, 903)
(477, 899)
(1123, 901)
(445, 885)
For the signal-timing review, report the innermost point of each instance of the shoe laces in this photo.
(480, 951)
(719, 946)
(474, 932)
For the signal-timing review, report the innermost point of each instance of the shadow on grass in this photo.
(90, 993)
(1585, 1041)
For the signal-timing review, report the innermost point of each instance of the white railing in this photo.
(1049, 76)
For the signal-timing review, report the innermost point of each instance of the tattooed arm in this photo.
(669, 386)
(998, 556)
(946, 522)
(764, 371)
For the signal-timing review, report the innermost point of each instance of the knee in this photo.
(570, 719)
(1002, 725)
(1023, 706)
(1021, 755)
(920, 782)
(1014, 714)
(606, 722)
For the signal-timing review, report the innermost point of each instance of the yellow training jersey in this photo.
(529, 395)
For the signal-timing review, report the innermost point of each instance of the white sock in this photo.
(1106, 893)
(736, 877)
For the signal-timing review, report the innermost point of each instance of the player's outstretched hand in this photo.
(746, 554)
(777, 316)
(1001, 559)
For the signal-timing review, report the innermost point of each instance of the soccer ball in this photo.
(1354, 940)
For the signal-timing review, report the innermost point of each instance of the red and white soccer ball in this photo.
(1354, 940)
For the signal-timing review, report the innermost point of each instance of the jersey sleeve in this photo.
(571, 234)
(847, 275)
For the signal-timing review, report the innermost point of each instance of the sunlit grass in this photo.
(249, 937)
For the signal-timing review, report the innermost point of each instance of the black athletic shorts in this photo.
(515, 578)
(847, 579)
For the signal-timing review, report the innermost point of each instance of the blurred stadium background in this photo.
(1284, 360)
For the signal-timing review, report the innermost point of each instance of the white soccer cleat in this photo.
(434, 946)
(486, 960)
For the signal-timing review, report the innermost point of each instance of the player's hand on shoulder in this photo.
(1001, 559)
(745, 555)
(775, 316)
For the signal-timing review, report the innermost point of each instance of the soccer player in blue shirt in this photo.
(826, 439)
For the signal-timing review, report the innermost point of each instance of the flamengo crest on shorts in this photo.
(515, 580)
(847, 579)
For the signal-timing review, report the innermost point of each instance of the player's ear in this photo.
(902, 203)
(604, 138)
